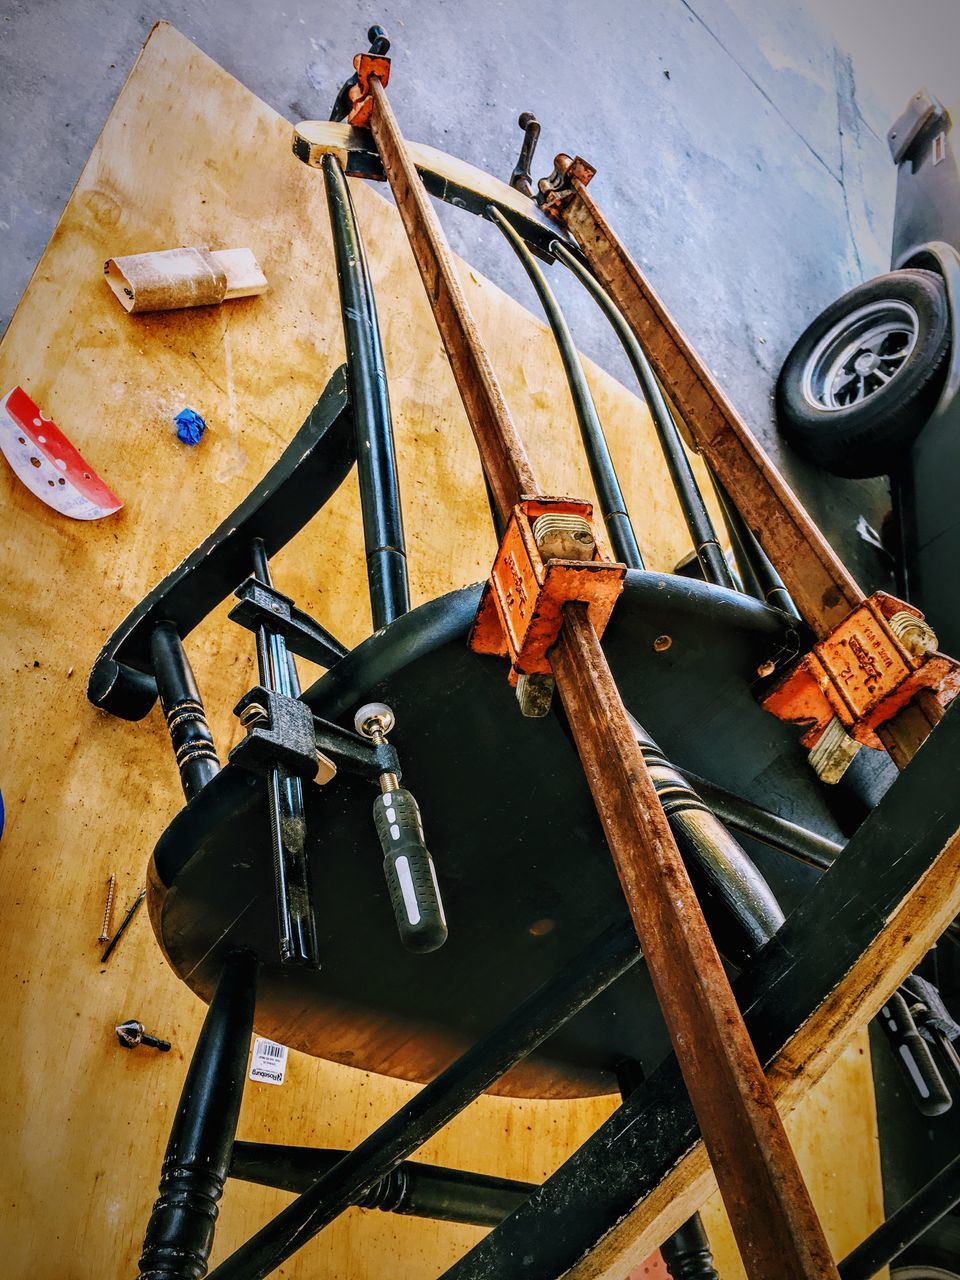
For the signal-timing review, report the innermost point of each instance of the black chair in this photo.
(267, 893)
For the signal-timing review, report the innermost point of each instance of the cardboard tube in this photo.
(187, 277)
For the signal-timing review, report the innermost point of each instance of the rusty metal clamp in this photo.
(366, 65)
(556, 191)
(551, 555)
(872, 665)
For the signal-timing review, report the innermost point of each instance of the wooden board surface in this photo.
(190, 156)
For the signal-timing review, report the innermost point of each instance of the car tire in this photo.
(864, 377)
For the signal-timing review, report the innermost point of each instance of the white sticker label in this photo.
(268, 1062)
(939, 147)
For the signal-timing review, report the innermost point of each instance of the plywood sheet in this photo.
(190, 156)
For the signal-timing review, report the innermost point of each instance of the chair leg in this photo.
(687, 1252)
(179, 1236)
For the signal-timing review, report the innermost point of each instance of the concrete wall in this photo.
(732, 151)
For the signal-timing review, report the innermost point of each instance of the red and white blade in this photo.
(48, 464)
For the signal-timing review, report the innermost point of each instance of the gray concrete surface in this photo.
(733, 150)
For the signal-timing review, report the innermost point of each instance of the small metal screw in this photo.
(108, 909)
(131, 1034)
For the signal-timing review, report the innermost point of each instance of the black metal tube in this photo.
(296, 923)
(261, 571)
(520, 179)
(376, 457)
(905, 1226)
(538, 1017)
(190, 734)
(752, 561)
(616, 519)
(695, 514)
(769, 828)
(179, 1235)
(422, 1190)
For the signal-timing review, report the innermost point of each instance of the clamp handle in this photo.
(408, 868)
(930, 1093)
(520, 179)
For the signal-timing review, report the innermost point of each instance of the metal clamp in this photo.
(860, 676)
(264, 606)
(556, 191)
(279, 732)
(354, 103)
(353, 753)
(551, 555)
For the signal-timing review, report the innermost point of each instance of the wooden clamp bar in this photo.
(823, 590)
(860, 681)
(769, 1206)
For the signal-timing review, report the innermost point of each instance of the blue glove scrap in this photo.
(190, 426)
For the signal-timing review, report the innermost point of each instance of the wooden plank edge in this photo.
(823, 589)
(908, 935)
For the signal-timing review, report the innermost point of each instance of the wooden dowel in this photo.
(769, 1207)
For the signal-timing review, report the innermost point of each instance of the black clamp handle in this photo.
(520, 179)
(927, 1086)
(409, 871)
(407, 864)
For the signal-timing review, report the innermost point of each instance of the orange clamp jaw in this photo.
(521, 609)
(366, 65)
(865, 671)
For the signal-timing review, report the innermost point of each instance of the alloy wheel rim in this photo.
(861, 355)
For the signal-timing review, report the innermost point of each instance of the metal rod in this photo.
(423, 1190)
(296, 923)
(905, 1226)
(190, 734)
(532, 1022)
(695, 513)
(769, 828)
(752, 561)
(520, 178)
(124, 926)
(376, 456)
(613, 507)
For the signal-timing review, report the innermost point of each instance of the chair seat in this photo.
(525, 873)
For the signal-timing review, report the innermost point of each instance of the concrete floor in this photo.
(734, 153)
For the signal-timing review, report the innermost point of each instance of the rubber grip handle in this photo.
(927, 1085)
(409, 871)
